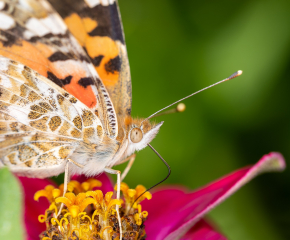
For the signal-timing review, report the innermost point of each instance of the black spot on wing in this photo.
(58, 81)
(48, 36)
(97, 60)
(56, 42)
(59, 56)
(13, 37)
(114, 65)
(101, 31)
(86, 81)
(108, 21)
(67, 7)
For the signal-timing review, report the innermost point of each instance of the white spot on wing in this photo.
(5, 81)
(92, 3)
(2, 5)
(105, 2)
(3, 64)
(18, 113)
(25, 4)
(7, 22)
(53, 25)
(92, 69)
(40, 27)
(34, 24)
(60, 23)
(28, 34)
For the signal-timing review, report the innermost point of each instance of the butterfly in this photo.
(65, 90)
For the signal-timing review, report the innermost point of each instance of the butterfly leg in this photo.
(66, 180)
(118, 173)
(129, 165)
(75, 163)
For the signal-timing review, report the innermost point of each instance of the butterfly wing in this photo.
(40, 123)
(98, 28)
(32, 33)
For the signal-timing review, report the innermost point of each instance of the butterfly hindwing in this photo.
(40, 123)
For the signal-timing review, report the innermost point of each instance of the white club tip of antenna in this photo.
(181, 107)
(234, 75)
(239, 73)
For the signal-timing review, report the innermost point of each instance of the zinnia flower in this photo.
(173, 212)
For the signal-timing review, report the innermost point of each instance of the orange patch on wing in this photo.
(89, 24)
(76, 27)
(95, 46)
(85, 95)
(108, 48)
(72, 68)
(28, 55)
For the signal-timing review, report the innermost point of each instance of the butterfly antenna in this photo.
(168, 174)
(234, 75)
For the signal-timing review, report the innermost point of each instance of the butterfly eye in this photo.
(136, 135)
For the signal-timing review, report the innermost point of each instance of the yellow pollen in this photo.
(56, 193)
(131, 193)
(47, 192)
(85, 186)
(74, 210)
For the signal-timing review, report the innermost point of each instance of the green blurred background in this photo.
(178, 47)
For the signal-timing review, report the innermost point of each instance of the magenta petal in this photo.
(202, 230)
(161, 200)
(180, 210)
(32, 208)
(107, 184)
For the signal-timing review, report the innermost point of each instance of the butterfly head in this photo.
(140, 133)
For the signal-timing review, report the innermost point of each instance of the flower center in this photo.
(88, 214)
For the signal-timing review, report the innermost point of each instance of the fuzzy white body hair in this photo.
(107, 154)
(94, 157)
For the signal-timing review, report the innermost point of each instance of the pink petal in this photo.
(32, 208)
(202, 230)
(177, 211)
(107, 184)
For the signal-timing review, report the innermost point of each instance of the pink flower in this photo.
(174, 212)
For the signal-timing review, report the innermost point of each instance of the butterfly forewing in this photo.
(32, 33)
(98, 28)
